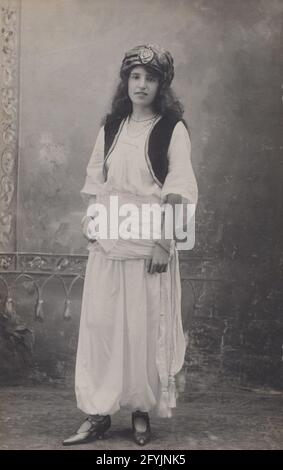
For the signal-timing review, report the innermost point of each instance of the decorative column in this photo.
(9, 107)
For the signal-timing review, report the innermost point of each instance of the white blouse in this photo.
(128, 170)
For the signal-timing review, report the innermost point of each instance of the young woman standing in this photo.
(131, 342)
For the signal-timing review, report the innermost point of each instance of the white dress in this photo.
(124, 338)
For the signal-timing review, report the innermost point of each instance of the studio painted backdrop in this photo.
(60, 61)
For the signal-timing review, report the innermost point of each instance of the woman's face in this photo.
(142, 86)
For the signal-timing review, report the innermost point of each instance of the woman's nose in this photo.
(142, 82)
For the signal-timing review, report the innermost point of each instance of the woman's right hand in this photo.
(85, 222)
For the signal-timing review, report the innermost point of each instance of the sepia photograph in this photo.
(141, 227)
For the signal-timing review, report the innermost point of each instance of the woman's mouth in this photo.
(140, 93)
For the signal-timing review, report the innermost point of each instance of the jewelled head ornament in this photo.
(152, 55)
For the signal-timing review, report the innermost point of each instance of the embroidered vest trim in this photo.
(156, 145)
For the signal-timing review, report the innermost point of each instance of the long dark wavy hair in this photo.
(165, 103)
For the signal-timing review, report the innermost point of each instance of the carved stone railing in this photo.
(35, 270)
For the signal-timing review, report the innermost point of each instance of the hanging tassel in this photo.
(181, 383)
(9, 307)
(67, 313)
(163, 409)
(39, 315)
(172, 392)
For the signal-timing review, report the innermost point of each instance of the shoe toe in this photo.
(75, 439)
(89, 431)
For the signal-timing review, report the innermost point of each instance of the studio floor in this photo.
(40, 417)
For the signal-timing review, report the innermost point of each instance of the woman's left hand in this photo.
(159, 261)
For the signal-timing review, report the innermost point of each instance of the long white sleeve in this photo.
(180, 178)
(94, 172)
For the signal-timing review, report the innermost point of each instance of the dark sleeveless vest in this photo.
(156, 146)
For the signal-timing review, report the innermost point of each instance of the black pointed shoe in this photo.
(141, 437)
(92, 428)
